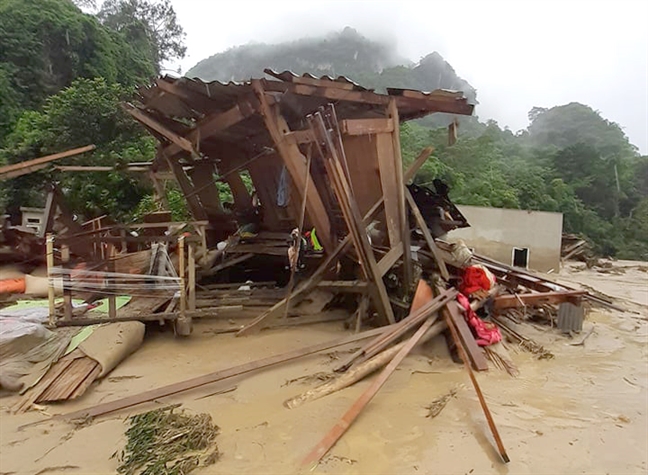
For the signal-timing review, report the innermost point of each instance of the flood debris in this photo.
(436, 406)
(168, 441)
(324, 218)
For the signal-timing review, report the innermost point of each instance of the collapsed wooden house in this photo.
(322, 154)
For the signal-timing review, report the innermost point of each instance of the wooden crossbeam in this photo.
(153, 124)
(423, 104)
(535, 299)
(366, 126)
(29, 166)
(214, 124)
(426, 234)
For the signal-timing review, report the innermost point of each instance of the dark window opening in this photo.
(521, 257)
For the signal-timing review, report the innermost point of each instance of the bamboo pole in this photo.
(49, 256)
(358, 372)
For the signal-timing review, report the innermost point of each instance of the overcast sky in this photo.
(517, 54)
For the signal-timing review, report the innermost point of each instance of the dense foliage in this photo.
(590, 173)
(64, 73)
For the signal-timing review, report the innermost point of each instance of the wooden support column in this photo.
(160, 193)
(296, 164)
(241, 195)
(202, 176)
(404, 230)
(197, 211)
(183, 323)
(67, 291)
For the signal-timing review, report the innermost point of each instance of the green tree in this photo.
(47, 44)
(86, 112)
(151, 25)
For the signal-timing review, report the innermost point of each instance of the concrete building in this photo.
(527, 239)
(32, 218)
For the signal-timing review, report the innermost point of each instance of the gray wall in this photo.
(494, 232)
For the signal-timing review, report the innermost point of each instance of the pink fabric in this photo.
(485, 333)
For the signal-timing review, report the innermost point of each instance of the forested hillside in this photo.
(63, 74)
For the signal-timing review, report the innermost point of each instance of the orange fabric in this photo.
(12, 286)
(422, 296)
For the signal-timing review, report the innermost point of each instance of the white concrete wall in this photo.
(494, 232)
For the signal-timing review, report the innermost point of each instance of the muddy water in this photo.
(586, 411)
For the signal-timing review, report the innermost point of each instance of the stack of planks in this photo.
(68, 378)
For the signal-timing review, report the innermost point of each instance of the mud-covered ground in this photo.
(585, 411)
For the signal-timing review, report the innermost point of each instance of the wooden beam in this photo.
(214, 124)
(536, 299)
(478, 391)
(347, 419)
(202, 176)
(196, 208)
(475, 353)
(29, 166)
(296, 164)
(427, 104)
(418, 163)
(389, 259)
(239, 370)
(153, 124)
(404, 230)
(426, 234)
(389, 183)
(367, 126)
(301, 136)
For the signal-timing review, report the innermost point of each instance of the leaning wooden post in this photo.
(112, 300)
(183, 323)
(67, 289)
(49, 249)
(192, 277)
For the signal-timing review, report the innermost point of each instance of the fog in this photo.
(518, 54)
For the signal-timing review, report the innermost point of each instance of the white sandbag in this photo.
(37, 286)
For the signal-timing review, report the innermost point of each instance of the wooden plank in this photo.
(23, 168)
(216, 376)
(350, 416)
(352, 216)
(300, 136)
(475, 353)
(404, 230)
(367, 126)
(482, 401)
(389, 183)
(85, 384)
(153, 124)
(296, 164)
(537, 299)
(426, 234)
(351, 286)
(35, 392)
(228, 263)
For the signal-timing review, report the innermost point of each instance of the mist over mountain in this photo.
(347, 53)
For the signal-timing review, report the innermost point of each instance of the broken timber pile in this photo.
(322, 211)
